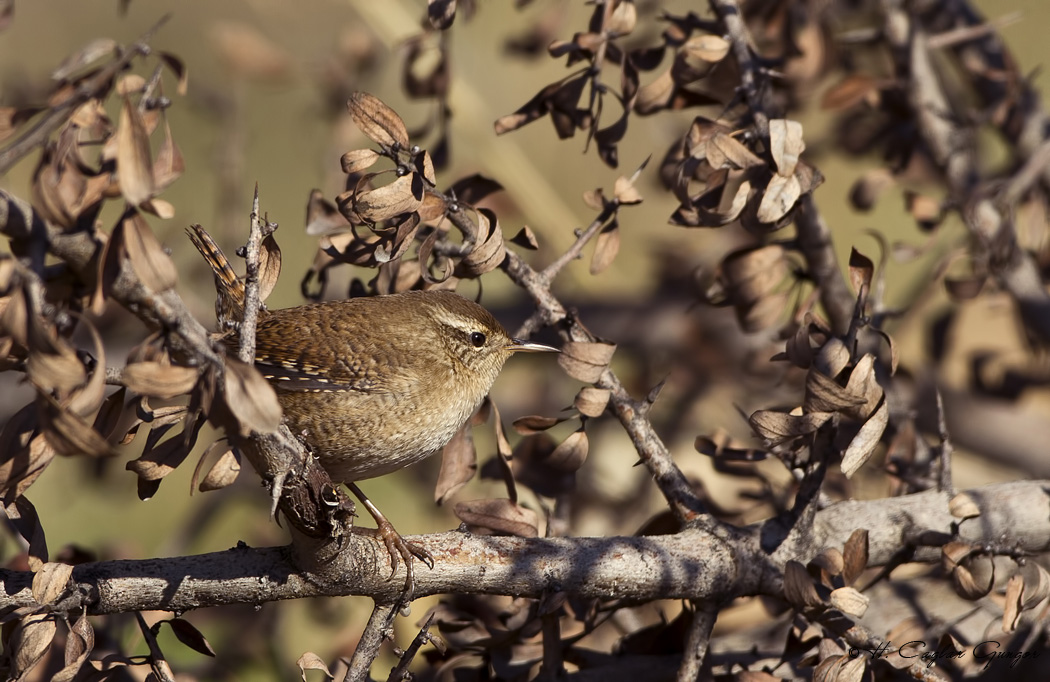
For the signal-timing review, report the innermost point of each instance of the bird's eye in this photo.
(477, 339)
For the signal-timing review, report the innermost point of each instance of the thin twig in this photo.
(252, 251)
(400, 671)
(698, 640)
(376, 631)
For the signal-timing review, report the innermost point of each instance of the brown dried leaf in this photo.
(753, 273)
(855, 555)
(269, 266)
(322, 217)
(378, 121)
(51, 581)
(1036, 584)
(606, 246)
(779, 427)
(159, 379)
(357, 160)
(500, 516)
(223, 473)
(954, 553)
(191, 636)
(832, 357)
(403, 195)
(26, 521)
(825, 395)
(591, 401)
(30, 641)
(623, 19)
(861, 271)
(785, 145)
(488, 252)
(799, 589)
(150, 262)
(585, 361)
(134, 164)
(250, 398)
(79, 644)
(459, 463)
(535, 423)
(962, 506)
(849, 601)
(779, 196)
(625, 191)
(525, 239)
(968, 586)
(865, 442)
(311, 661)
(169, 164)
(69, 434)
(570, 453)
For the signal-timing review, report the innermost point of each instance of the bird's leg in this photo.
(396, 545)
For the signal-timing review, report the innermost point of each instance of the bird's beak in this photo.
(519, 346)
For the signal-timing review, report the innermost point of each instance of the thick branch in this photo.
(692, 564)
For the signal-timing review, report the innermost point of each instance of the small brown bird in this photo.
(376, 384)
(372, 384)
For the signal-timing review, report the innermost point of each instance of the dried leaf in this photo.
(159, 379)
(378, 121)
(357, 160)
(778, 198)
(191, 636)
(865, 442)
(500, 516)
(625, 191)
(79, 644)
(148, 259)
(849, 601)
(269, 266)
(570, 453)
(30, 641)
(489, 251)
(23, 516)
(459, 463)
(535, 423)
(855, 555)
(249, 53)
(585, 361)
(525, 239)
(606, 246)
(825, 395)
(785, 145)
(250, 398)
(403, 195)
(134, 164)
(223, 473)
(962, 506)
(779, 427)
(311, 661)
(51, 581)
(798, 586)
(591, 401)
(169, 164)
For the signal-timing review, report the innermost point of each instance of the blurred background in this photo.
(268, 82)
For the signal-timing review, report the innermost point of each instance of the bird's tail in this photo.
(229, 288)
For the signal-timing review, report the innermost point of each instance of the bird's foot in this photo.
(398, 548)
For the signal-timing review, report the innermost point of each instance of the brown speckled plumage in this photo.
(375, 384)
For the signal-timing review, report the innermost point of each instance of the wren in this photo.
(378, 383)
(372, 384)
